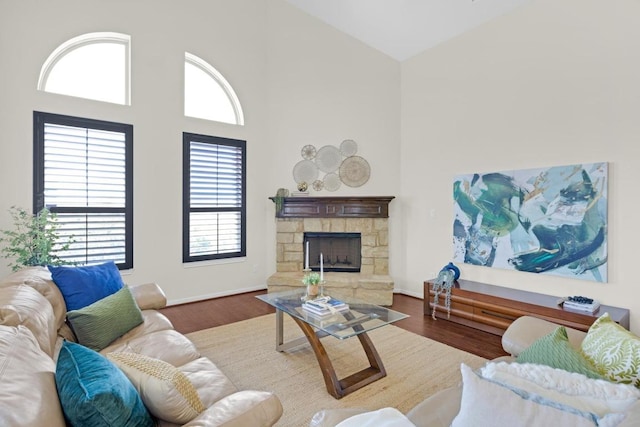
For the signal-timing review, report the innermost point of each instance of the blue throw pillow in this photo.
(94, 392)
(82, 286)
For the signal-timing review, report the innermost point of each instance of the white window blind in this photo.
(84, 176)
(214, 198)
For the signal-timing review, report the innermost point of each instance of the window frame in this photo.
(39, 121)
(86, 40)
(218, 78)
(187, 138)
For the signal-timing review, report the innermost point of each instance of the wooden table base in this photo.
(338, 388)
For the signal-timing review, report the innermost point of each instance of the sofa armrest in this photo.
(438, 410)
(241, 409)
(525, 330)
(148, 296)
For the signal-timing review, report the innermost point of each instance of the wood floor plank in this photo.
(220, 311)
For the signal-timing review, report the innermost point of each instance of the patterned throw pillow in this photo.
(165, 391)
(613, 350)
(556, 351)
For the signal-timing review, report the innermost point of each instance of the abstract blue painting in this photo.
(547, 220)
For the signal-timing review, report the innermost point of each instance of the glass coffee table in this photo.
(355, 322)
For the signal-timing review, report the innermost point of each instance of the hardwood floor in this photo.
(219, 311)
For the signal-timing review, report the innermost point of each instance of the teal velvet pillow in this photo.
(98, 324)
(81, 286)
(94, 392)
(556, 351)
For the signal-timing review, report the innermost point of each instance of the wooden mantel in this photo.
(334, 207)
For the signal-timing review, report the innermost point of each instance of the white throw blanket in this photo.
(385, 417)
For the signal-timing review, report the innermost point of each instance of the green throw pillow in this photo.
(99, 324)
(556, 351)
(613, 350)
(94, 392)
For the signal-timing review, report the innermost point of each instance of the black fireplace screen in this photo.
(340, 251)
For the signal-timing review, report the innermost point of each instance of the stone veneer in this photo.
(373, 284)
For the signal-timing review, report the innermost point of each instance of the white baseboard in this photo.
(409, 293)
(214, 295)
(257, 288)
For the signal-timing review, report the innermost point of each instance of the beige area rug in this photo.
(417, 367)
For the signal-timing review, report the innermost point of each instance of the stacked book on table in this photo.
(324, 306)
(581, 304)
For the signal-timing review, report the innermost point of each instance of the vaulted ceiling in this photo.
(404, 28)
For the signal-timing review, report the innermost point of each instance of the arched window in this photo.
(93, 66)
(207, 94)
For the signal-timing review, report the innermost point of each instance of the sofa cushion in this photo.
(516, 408)
(94, 392)
(556, 351)
(27, 383)
(613, 350)
(240, 409)
(100, 323)
(168, 345)
(166, 392)
(152, 321)
(212, 384)
(82, 286)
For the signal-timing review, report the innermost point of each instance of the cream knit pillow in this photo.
(166, 392)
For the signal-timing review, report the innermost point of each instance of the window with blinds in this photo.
(83, 172)
(214, 198)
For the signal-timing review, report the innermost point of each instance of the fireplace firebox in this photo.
(340, 251)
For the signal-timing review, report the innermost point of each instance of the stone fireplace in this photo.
(366, 216)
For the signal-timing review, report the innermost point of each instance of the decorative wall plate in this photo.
(354, 171)
(318, 185)
(305, 171)
(331, 182)
(348, 147)
(328, 158)
(308, 152)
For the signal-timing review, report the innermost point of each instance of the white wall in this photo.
(325, 87)
(299, 82)
(552, 83)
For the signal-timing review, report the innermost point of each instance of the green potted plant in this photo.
(32, 240)
(278, 199)
(312, 280)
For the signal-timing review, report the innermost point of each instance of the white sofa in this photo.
(440, 409)
(33, 327)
